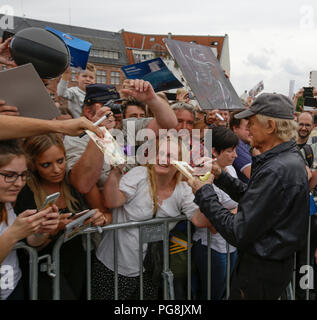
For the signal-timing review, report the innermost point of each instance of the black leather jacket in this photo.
(273, 210)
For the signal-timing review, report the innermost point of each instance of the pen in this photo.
(97, 122)
(219, 116)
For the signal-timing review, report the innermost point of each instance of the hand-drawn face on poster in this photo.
(204, 75)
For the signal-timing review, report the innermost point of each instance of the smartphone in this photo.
(78, 224)
(50, 199)
(76, 215)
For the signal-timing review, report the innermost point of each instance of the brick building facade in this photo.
(112, 50)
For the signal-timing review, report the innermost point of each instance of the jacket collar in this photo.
(282, 147)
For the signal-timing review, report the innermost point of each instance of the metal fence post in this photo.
(115, 256)
(168, 281)
(189, 260)
(208, 265)
(308, 257)
(294, 276)
(228, 272)
(56, 267)
(141, 261)
(88, 265)
(33, 268)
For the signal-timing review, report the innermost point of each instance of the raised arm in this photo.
(62, 87)
(20, 127)
(164, 116)
(86, 171)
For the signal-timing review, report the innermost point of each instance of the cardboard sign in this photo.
(256, 89)
(23, 88)
(204, 75)
(78, 49)
(155, 71)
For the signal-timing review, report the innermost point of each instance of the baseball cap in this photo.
(270, 104)
(99, 92)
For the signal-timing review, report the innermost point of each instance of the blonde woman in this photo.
(144, 192)
(46, 155)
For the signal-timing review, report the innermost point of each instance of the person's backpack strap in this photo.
(309, 156)
(314, 139)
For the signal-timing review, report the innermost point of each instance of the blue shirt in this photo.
(243, 160)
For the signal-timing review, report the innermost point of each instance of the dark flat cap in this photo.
(100, 93)
(270, 104)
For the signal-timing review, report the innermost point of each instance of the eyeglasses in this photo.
(305, 125)
(12, 177)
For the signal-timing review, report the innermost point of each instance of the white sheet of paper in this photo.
(109, 146)
(23, 88)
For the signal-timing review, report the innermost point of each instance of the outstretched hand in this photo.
(8, 110)
(74, 127)
(139, 89)
(5, 55)
(196, 183)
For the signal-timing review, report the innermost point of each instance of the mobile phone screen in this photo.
(78, 214)
(50, 200)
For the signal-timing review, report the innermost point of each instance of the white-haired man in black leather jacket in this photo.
(273, 212)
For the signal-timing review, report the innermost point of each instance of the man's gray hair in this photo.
(285, 130)
(183, 106)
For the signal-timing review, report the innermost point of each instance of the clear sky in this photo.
(271, 40)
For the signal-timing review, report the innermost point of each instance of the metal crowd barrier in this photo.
(33, 268)
(149, 231)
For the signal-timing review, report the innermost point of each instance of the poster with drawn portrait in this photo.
(204, 75)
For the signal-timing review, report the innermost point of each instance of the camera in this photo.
(115, 107)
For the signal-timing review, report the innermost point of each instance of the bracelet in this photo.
(123, 170)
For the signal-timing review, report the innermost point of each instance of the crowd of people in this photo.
(255, 202)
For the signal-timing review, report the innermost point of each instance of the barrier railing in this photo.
(149, 231)
(33, 268)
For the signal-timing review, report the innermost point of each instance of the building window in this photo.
(152, 39)
(101, 76)
(115, 77)
(101, 53)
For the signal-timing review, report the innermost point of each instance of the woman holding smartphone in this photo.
(29, 224)
(47, 164)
